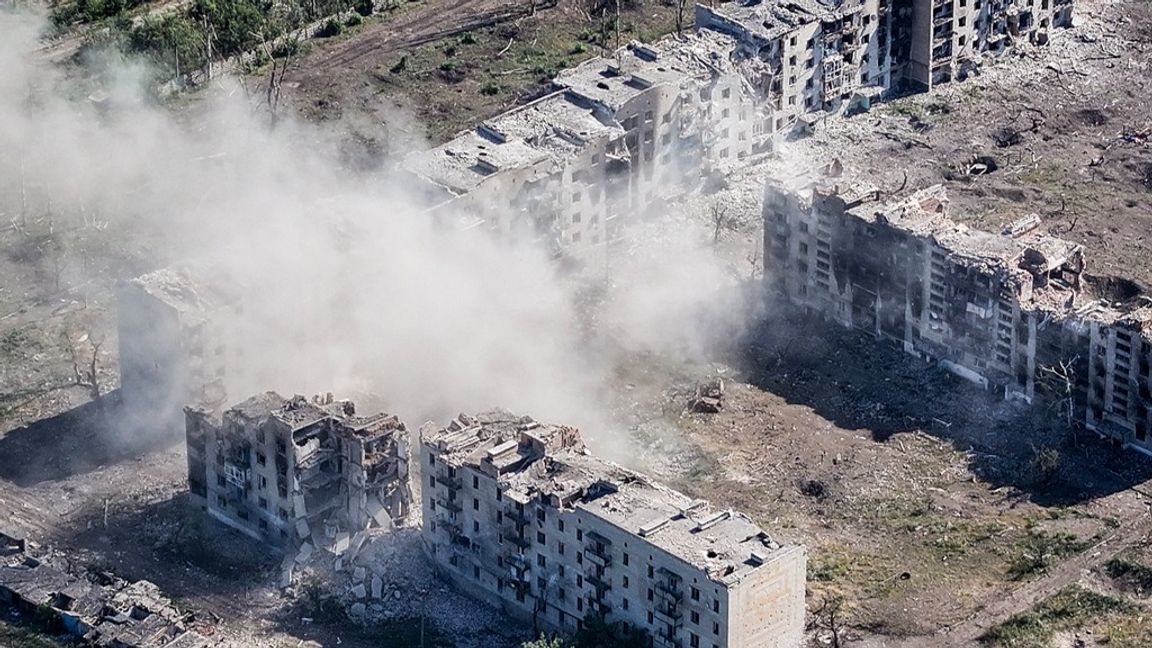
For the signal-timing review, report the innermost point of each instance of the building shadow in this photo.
(81, 440)
(169, 542)
(863, 384)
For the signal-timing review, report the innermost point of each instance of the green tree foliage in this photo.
(236, 25)
(173, 42)
(92, 10)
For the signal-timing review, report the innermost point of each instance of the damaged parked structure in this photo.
(623, 133)
(518, 512)
(290, 471)
(1015, 311)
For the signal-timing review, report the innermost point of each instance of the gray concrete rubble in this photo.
(95, 607)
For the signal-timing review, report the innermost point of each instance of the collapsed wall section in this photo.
(295, 471)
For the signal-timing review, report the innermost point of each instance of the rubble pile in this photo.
(94, 606)
(383, 576)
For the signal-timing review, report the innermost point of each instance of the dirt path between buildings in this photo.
(1029, 594)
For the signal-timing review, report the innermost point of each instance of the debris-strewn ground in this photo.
(1068, 127)
(933, 515)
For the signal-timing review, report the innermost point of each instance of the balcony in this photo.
(597, 555)
(449, 505)
(520, 518)
(670, 616)
(598, 607)
(664, 640)
(516, 538)
(600, 584)
(669, 593)
(452, 483)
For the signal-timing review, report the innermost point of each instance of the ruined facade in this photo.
(290, 471)
(948, 36)
(516, 511)
(170, 354)
(1014, 311)
(95, 607)
(622, 131)
(571, 167)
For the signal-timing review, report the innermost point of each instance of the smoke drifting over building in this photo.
(328, 279)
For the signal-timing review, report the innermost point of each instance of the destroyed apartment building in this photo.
(95, 607)
(518, 512)
(1014, 311)
(622, 134)
(293, 472)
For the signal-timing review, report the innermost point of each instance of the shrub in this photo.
(490, 89)
(365, 7)
(330, 29)
(1040, 550)
(354, 20)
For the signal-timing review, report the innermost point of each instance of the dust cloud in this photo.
(346, 284)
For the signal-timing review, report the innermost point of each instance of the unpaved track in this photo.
(1028, 595)
(432, 21)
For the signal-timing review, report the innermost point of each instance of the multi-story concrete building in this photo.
(612, 141)
(1014, 311)
(625, 132)
(517, 512)
(170, 354)
(807, 57)
(290, 471)
(948, 36)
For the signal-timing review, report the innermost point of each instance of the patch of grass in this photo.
(17, 636)
(1039, 551)
(490, 88)
(1070, 608)
(15, 341)
(829, 568)
(903, 108)
(1129, 573)
(1132, 630)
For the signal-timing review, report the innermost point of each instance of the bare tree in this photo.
(288, 46)
(1058, 382)
(753, 261)
(722, 221)
(680, 7)
(85, 367)
(830, 617)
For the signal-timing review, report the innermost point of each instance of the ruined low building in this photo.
(289, 471)
(517, 512)
(95, 607)
(1013, 311)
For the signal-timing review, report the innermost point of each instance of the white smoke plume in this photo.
(348, 286)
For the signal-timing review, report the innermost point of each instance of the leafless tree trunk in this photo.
(721, 221)
(753, 261)
(680, 6)
(85, 370)
(830, 616)
(1060, 381)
